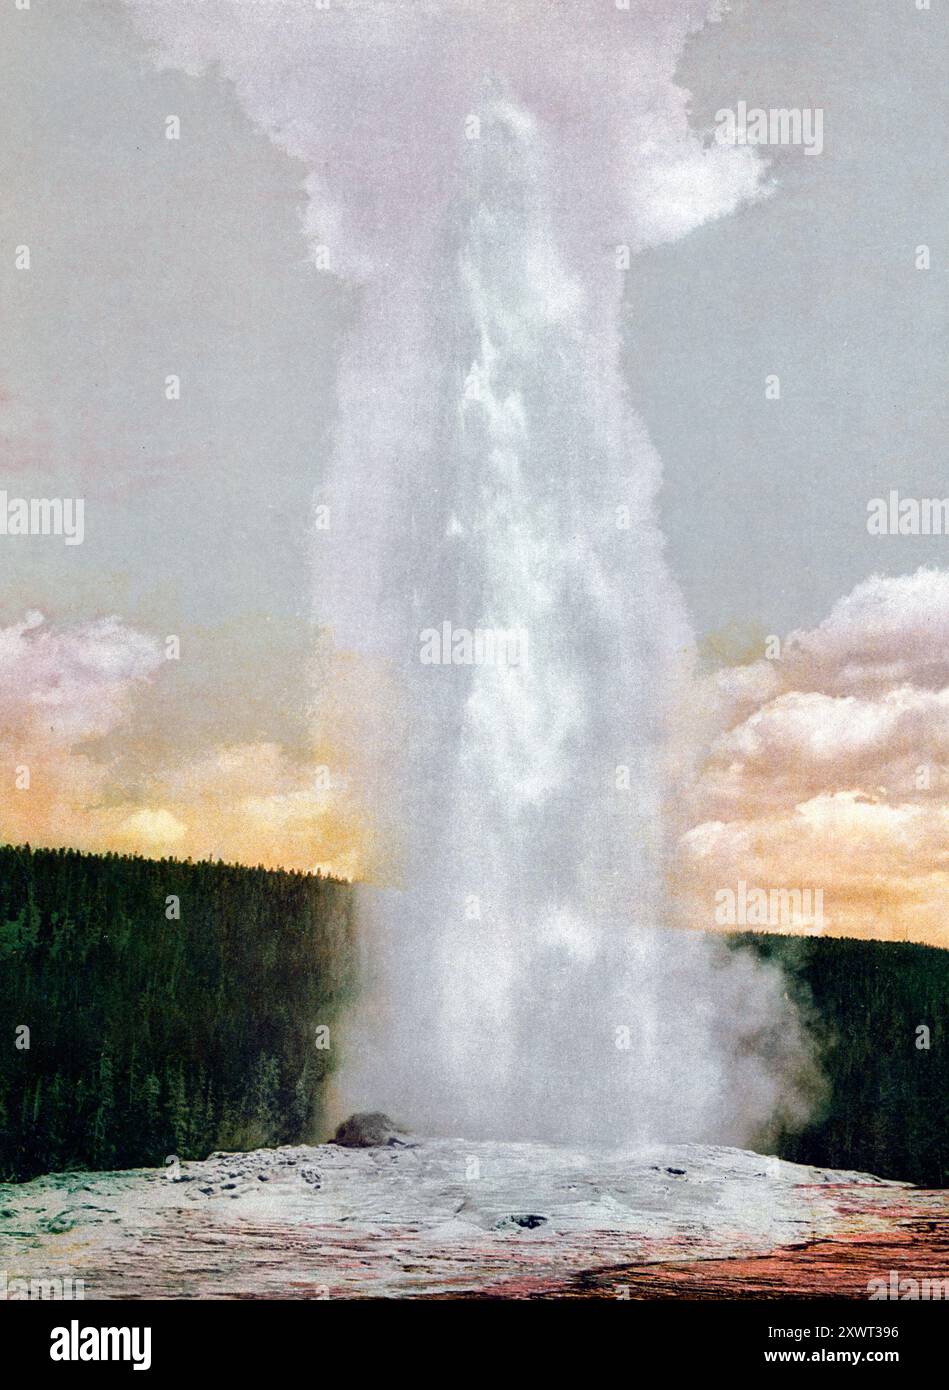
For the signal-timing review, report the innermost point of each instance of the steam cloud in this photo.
(472, 167)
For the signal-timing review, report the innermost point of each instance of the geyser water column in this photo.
(473, 168)
(501, 977)
(518, 983)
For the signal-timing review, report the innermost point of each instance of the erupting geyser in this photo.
(493, 559)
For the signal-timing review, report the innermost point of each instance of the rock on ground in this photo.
(368, 1129)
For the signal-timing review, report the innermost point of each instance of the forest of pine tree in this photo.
(886, 1110)
(152, 1033)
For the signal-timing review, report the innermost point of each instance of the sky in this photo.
(150, 257)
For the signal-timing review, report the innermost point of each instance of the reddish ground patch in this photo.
(840, 1268)
(915, 1246)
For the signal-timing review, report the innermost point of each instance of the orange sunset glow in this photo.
(822, 768)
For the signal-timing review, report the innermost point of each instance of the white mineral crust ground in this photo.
(449, 1217)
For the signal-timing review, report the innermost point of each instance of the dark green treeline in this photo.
(871, 1007)
(152, 1034)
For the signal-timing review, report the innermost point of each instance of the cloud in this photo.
(889, 631)
(829, 767)
(157, 828)
(64, 690)
(63, 685)
(253, 803)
